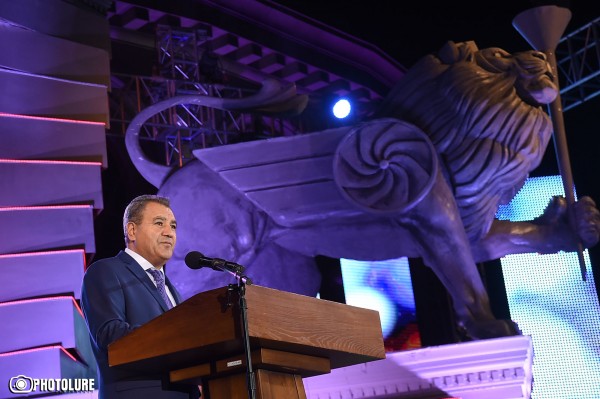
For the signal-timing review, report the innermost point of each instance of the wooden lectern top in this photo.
(208, 327)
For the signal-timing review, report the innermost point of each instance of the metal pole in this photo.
(251, 380)
(542, 27)
(562, 157)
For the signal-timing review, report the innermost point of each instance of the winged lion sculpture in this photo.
(455, 138)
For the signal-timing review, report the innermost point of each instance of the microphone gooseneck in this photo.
(196, 260)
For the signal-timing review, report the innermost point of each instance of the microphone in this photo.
(196, 260)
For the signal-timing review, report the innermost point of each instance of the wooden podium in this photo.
(291, 336)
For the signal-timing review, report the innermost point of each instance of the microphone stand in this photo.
(241, 289)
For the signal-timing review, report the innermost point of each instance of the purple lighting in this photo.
(23, 161)
(42, 208)
(41, 253)
(45, 348)
(46, 118)
(56, 298)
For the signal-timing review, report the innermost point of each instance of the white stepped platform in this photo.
(60, 19)
(42, 322)
(31, 183)
(498, 368)
(54, 74)
(47, 362)
(36, 95)
(42, 273)
(29, 51)
(28, 137)
(48, 228)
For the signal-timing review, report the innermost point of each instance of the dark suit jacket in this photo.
(118, 296)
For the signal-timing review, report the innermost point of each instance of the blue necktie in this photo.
(160, 284)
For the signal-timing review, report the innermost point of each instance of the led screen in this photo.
(384, 286)
(550, 302)
(546, 294)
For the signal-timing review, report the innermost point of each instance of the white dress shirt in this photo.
(144, 264)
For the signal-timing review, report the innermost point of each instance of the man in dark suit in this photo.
(122, 293)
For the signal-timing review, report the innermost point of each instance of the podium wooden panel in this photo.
(291, 336)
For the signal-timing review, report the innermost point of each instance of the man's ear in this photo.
(131, 231)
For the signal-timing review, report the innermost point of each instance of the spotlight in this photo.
(342, 108)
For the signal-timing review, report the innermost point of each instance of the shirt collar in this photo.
(141, 260)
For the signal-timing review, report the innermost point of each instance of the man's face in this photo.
(154, 238)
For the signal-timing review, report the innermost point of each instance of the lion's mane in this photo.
(487, 137)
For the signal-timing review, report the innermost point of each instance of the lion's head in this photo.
(481, 109)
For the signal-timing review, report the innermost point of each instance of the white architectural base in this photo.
(497, 368)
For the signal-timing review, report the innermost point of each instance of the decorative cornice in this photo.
(497, 368)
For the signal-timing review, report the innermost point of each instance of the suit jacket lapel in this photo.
(173, 290)
(144, 278)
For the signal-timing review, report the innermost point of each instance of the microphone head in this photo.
(195, 260)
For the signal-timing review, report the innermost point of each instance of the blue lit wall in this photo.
(549, 300)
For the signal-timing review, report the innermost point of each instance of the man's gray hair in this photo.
(135, 209)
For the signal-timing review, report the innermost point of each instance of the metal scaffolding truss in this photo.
(186, 67)
(186, 127)
(179, 52)
(578, 61)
